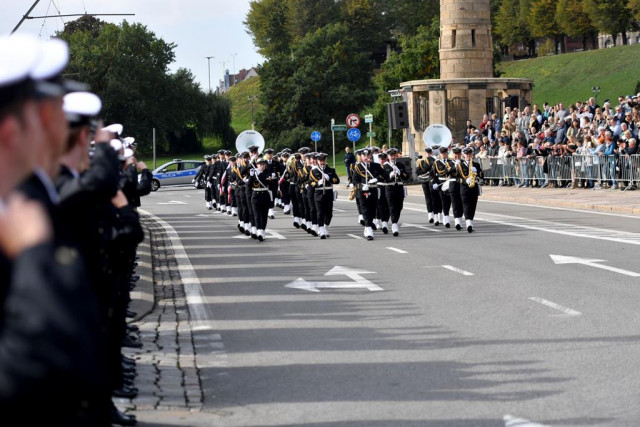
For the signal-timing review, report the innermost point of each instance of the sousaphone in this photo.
(248, 138)
(437, 134)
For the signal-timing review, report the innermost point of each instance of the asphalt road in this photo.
(436, 327)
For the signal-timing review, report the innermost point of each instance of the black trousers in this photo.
(247, 196)
(445, 200)
(273, 187)
(324, 207)
(231, 197)
(428, 197)
(261, 202)
(305, 205)
(241, 202)
(296, 200)
(469, 200)
(208, 194)
(456, 204)
(312, 205)
(285, 193)
(358, 204)
(368, 205)
(382, 211)
(395, 198)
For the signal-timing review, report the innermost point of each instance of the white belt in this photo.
(324, 188)
(260, 189)
(390, 183)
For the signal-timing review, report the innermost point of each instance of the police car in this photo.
(176, 172)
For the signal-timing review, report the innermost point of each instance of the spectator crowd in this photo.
(583, 146)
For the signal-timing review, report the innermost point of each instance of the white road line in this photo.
(355, 237)
(511, 421)
(200, 313)
(558, 208)
(422, 227)
(457, 270)
(400, 251)
(565, 310)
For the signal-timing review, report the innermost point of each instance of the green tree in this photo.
(512, 24)
(610, 17)
(542, 21)
(574, 21)
(128, 67)
(418, 60)
(268, 24)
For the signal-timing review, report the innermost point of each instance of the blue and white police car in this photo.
(176, 172)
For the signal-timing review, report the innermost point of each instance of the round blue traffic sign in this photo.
(353, 134)
(316, 136)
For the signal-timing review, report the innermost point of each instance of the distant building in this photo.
(232, 79)
(606, 40)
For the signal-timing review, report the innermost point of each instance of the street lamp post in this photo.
(209, 66)
(596, 91)
(234, 68)
(252, 98)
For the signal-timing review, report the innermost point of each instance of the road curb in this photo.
(142, 296)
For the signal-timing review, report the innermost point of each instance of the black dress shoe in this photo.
(127, 359)
(437, 223)
(362, 222)
(470, 229)
(303, 226)
(125, 392)
(431, 221)
(122, 419)
(131, 314)
(135, 278)
(133, 328)
(458, 227)
(129, 343)
(129, 370)
(296, 225)
(447, 225)
(369, 237)
(247, 232)
(129, 375)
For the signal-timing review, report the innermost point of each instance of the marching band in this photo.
(252, 183)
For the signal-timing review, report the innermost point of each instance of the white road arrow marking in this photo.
(562, 259)
(358, 282)
(511, 421)
(173, 202)
(567, 311)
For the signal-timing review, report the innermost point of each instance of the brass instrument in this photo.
(473, 176)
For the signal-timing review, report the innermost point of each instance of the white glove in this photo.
(193, 181)
(321, 182)
(473, 169)
(326, 177)
(273, 175)
(252, 172)
(245, 180)
(208, 185)
(435, 186)
(469, 181)
(392, 174)
(372, 181)
(350, 186)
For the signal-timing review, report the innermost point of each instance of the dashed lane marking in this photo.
(400, 251)
(457, 270)
(568, 312)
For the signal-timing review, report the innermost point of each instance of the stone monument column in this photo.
(466, 47)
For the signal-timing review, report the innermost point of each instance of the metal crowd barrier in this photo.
(586, 170)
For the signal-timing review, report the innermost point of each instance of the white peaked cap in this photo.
(81, 104)
(116, 128)
(19, 55)
(128, 141)
(54, 58)
(128, 152)
(116, 144)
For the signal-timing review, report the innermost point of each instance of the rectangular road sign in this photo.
(368, 118)
(339, 128)
(371, 134)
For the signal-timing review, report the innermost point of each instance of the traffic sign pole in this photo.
(333, 140)
(370, 136)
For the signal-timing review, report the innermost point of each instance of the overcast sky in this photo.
(200, 28)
